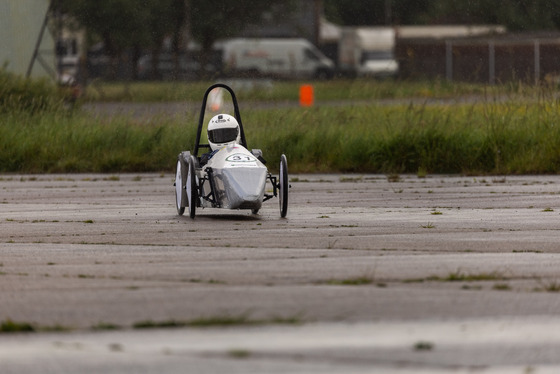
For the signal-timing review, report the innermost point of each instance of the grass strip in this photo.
(216, 321)
(493, 137)
(9, 326)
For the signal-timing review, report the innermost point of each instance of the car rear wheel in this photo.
(192, 187)
(180, 192)
(284, 186)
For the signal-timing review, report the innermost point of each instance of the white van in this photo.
(368, 51)
(285, 58)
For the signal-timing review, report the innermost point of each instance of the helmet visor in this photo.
(220, 136)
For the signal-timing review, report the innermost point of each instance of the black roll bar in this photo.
(197, 144)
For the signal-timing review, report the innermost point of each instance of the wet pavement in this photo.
(368, 273)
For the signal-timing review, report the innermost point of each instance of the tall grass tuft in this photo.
(18, 94)
(62, 142)
(498, 138)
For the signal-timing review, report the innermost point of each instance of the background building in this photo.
(21, 22)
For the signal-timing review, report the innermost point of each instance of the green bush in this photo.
(62, 142)
(472, 139)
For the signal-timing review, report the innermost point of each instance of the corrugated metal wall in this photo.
(20, 25)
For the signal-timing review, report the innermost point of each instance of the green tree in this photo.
(140, 24)
(220, 19)
(162, 21)
(375, 12)
(516, 15)
(120, 24)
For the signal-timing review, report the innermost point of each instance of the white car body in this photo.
(238, 176)
(228, 176)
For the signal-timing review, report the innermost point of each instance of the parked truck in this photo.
(274, 57)
(367, 51)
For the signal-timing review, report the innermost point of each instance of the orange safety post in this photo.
(215, 99)
(306, 95)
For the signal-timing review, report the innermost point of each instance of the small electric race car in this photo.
(228, 175)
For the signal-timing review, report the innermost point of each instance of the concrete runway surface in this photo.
(369, 273)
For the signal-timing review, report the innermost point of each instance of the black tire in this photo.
(192, 188)
(323, 74)
(180, 192)
(283, 186)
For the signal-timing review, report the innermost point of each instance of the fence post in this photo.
(491, 62)
(306, 96)
(537, 61)
(449, 60)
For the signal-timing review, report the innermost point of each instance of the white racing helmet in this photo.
(223, 130)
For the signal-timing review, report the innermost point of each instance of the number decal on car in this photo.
(240, 157)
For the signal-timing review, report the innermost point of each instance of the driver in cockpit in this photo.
(223, 130)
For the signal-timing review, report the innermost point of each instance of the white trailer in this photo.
(367, 51)
(284, 58)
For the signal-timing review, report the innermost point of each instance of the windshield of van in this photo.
(310, 54)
